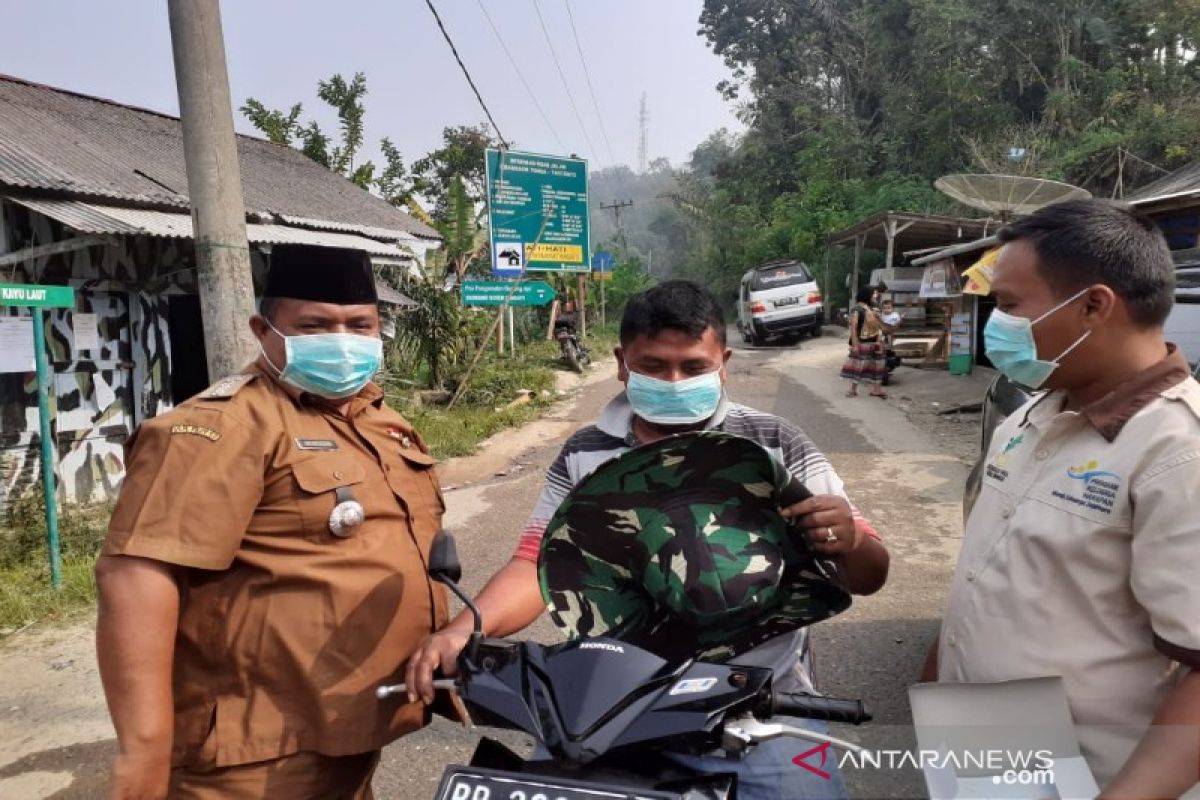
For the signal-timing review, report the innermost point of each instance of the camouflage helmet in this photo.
(678, 547)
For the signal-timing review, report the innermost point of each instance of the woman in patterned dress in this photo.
(866, 362)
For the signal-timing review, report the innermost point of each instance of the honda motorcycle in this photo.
(573, 352)
(604, 713)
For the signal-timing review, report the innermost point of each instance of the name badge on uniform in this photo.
(316, 444)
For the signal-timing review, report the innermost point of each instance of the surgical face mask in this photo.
(1009, 343)
(685, 402)
(330, 365)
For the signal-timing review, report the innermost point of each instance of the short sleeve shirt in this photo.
(285, 629)
(613, 434)
(1080, 557)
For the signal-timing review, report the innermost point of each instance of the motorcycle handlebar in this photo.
(830, 709)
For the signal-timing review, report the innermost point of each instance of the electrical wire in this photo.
(591, 89)
(521, 75)
(563, 77)
(466, 73)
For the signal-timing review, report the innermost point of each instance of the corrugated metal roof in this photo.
(92, 218)
(54, 140)
(366, 230)
(389, 295)
(1180, 182)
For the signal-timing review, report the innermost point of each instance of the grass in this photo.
(484, 408)
(26, 595)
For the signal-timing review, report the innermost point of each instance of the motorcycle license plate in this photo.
(786, 301)
(470, 783)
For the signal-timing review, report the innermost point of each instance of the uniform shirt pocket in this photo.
(317, 481)
(414, 480)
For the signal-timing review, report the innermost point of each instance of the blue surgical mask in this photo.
(1010, 346)
(330, 365)
(683, 402)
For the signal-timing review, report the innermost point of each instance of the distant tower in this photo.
(643, 128)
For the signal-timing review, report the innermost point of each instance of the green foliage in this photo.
(393, 183)
(855, 106)
(26, 595)
(486, 407)
(629, 278)
(347, 100)
(460, 158)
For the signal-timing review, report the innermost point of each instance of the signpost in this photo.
(602, 267)
(37, 298)
(497, 293)
(537, 212)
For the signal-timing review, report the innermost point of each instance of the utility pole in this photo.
(616, 209)
(214, 184)
(643, 137)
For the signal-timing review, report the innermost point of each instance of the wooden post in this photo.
(859, 241)
(553, 318)
(889, 230)
(582, 292)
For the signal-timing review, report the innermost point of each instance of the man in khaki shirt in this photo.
(264, 569)
(1081, 557)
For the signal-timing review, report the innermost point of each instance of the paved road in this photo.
(896, 473)
(905, 483)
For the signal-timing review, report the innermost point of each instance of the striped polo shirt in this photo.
(612, 435)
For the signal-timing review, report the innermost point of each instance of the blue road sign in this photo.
(603, 261)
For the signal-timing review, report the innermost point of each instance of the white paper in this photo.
(1014, 717)
(16, 344)
(105, 396)
(87, 332)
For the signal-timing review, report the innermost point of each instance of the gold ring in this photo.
(830, 536)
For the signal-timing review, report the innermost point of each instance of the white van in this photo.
(779, 298)
(1183, 325)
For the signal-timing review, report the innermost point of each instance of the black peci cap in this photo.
(321, 274)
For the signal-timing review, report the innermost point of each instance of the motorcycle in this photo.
(604, 713)
(573, 352)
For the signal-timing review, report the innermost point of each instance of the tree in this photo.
(854, 106)
(460, 158)
(394, 182)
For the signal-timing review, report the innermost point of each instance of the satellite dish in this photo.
(1006, 195)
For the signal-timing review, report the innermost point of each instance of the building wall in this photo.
(99, 397)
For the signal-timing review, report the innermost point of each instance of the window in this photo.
(775, 276)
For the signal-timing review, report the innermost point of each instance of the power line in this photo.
(563, 77)
(591, 90)
(467, 74)
(521, 75)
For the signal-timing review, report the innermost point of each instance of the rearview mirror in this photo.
(444, 565)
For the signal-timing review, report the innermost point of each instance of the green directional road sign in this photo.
(23, 294)
(495, 293)
(538, 212)
(37, 298)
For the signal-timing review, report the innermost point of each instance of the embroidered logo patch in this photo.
(1097, 490)
(196, 430)
(997, 470)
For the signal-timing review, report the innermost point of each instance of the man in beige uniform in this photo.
(265, 566)
(1081, 557)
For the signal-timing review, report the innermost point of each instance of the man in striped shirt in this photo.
(673, 359)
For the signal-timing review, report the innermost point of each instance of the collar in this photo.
(1110, 413)
(617, 418)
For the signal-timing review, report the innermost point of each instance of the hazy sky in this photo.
(278, 49)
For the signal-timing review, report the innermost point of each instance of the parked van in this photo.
(780, 298)
(1183, 325)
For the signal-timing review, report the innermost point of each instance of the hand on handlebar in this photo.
(438, 651)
